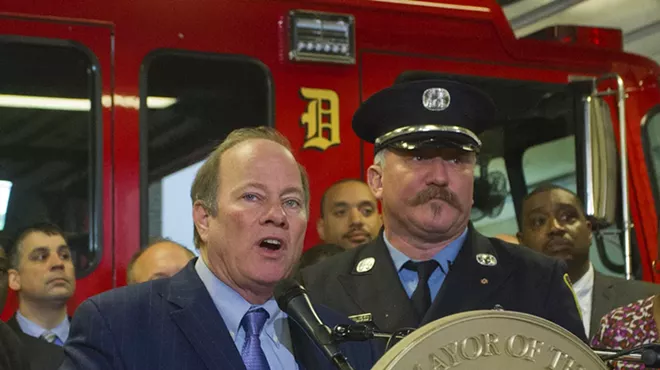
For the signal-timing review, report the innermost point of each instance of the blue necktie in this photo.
(252, 354)
(51, 337)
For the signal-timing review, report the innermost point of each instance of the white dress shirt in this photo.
(584, 290)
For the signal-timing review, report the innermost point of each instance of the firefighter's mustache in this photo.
(436, 192)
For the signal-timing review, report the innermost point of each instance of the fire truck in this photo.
(106, 107)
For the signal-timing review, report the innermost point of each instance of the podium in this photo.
(494, 340)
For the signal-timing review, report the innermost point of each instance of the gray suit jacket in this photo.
(612, 292)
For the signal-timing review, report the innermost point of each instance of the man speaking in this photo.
(250, 210)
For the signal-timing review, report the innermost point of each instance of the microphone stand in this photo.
(647, 354)
(633, 357)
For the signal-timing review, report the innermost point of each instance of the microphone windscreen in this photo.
(285, 291)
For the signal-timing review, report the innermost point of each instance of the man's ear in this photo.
(201, 218)
(320, 224)
(591, 229)
(375, 180)
(14, 280)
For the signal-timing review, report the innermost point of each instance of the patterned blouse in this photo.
(627, 327)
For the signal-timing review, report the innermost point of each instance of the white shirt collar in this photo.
(584, 291)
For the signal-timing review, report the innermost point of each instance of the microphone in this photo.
(292, 298)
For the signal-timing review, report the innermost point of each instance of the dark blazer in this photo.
(172, 323)
(611, 292)
(42, 355)
(12, 352)
(522, 281)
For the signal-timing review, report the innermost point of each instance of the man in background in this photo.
(19, 351)
(42, 274)
(349, 214)
(161, 258)
(555, 224)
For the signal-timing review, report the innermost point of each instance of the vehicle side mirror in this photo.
(601, 163)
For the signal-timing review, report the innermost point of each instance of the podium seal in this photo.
(494, 340)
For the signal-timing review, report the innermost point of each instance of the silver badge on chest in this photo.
(436, 99)
(366, 264)
(486, 259)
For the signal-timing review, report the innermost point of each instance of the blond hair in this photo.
(205, 185)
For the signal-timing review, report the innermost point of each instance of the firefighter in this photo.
(428, 260)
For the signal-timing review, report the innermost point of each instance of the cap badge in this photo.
(486, 259)
(365, 264)
(436, 99)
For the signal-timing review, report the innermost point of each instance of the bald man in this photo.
(349, 214)
(161, 258)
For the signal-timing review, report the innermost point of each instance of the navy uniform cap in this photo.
(422, 114)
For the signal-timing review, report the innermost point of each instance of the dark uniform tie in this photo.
(421, 297)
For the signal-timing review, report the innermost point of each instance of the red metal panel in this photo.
(97, 39)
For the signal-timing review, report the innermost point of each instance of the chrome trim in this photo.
(625, 204)
(426, 128)
(590, 201)
(296, 55)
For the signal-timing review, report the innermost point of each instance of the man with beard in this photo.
(554, 223)
(429, 262)
(349, 214)
(43, 276)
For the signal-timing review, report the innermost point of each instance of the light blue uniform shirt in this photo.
(445, 257)
(275, 337)
(30, 328)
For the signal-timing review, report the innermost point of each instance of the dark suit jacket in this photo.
(611, 292)
(12, 352)
(172, 323)
(522, 281)
(42, 355)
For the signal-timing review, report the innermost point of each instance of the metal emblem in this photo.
(486, 259)
(490, 339)
(361, 318)
(366, 264)
(436, 99)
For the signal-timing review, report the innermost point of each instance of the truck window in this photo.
(500, 218)
(561, 170)
(50, 143)
(189, 103)
(651, 132)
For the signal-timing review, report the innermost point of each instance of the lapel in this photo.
(379, 291)
(195, 314)
(468, 282)
(13, 323)
(304, 350)
(603, 295)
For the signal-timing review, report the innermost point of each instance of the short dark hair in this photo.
(318, 253)
(545, 187)
(152, 242)
(325, 193)
(45, 227)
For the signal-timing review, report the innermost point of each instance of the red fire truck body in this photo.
(310, 92)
